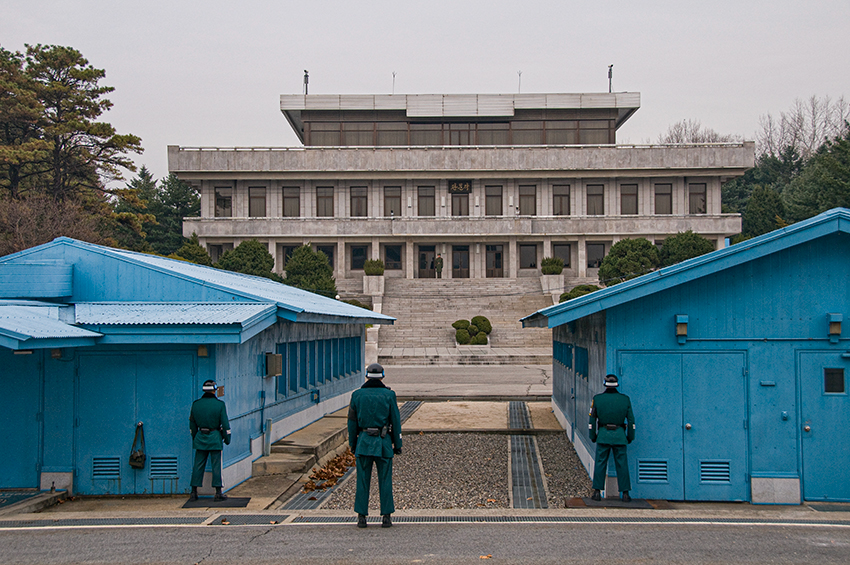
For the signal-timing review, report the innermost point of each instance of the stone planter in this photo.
(373, 285)
(552, 284)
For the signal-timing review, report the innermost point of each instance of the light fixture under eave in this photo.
(834, 327)
(22, 352)
(681, 328)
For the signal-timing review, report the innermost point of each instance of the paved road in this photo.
(493, 381)
(435, 543)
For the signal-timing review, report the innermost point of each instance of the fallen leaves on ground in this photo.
(328, 475)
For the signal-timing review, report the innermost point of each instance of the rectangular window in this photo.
(560, 132)
(595, 200)
(358, 133)
(391, 133)
(324, 133)
(223, 202)
(527, 133)
(493, 134)
(528, 200)
(594, 132)
(833, 381)
(628, 199)
(663, 198)
(292, 375)
(527, 256)
(392, 201)
(493, 200)
(426, 205)
(461, 134)
(328, 250)
(216, 251)
(562, 251)
(303, 365)
(392, 257)
(325, 201)
(256, 202)
(358, 256)
(696, 198)
(359, 202)
(460, 204)
(426, 134)
(595, 255)
(561, 200)
(291, 202)
(287, 251)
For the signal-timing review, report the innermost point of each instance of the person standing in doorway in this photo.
(374, 436)
(438, 265)
(608, 412)
(210, 429)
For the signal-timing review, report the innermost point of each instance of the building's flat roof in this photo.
(457, 105)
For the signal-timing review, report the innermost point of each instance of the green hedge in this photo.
(479, 339)
(552, 265)
(461, 324)
(483, 324)
(373, 267)
(462, 336)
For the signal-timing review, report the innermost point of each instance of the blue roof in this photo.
(36, 326)
(169, 313)
(835, 220)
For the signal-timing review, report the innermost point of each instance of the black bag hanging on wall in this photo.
(137, 455)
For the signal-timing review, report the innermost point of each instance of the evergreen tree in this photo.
(310, 270)
(628, 258)
(251, 258)
(764, 212)
(824, 182)
(682, 246)
(193, 252)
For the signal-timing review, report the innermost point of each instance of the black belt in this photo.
(375, 432)
(613, 426)
(208, 430)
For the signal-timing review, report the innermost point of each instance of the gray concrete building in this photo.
(492, 183)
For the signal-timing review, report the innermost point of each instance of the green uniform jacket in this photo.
(209, 412)
(373, 406)
(611, 408)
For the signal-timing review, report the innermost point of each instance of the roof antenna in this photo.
(393, 82)
(306, 81)
(519, 87)
(610, 74)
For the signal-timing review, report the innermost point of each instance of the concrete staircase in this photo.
(426, 308)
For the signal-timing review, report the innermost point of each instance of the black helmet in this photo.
(209, 386)
(374, 371)
(611, 381)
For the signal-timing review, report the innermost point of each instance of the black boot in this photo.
(361, 521)
(596, 495)
(219, 496)
(386, 522)
(194, 495)
(626, 497)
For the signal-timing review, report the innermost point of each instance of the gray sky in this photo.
(209, 73)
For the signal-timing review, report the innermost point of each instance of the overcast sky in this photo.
(209, 73)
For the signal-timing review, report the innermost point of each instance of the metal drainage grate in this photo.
(559, 519)
(518, 416)
(83, 522)
(249, 519)
(408, 408)
(526, 479)
(314, 499)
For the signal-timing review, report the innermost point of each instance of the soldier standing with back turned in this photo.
(210, 428)
(608, 411)
(374, 436)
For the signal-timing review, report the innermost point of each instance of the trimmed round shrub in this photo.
(472, 329)
(373, 267)
(479, 339)
(483, 324)
(577, 291)
(552, 265)
(355, 302)
(462, 336)
(461, 324)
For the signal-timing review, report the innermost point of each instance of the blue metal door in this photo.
(20, 437)
(825, 432)
(714, 410)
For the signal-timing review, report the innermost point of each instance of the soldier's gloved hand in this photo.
(397, 450)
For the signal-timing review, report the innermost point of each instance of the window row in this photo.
(309, 364)
(530, 132)
(494, 201)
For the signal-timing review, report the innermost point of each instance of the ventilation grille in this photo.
(106, 467)
(652, 471)
(715, 472)
(163, 467)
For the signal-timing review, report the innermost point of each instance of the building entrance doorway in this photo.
(460, 262)
(494, 261)
(426, 262)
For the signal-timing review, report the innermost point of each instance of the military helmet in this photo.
(611, 381)
(209, 386)
(374, 371)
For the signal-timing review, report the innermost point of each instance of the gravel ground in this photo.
(468, 471)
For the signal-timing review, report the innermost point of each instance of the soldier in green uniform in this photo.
(210, 428)
(374, 436)
(438, 265)
(608, 411)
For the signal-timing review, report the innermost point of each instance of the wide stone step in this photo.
(283, 464)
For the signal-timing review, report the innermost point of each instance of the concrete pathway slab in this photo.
(453, 416)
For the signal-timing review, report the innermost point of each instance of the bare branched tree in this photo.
(805, 127)
(692, 131)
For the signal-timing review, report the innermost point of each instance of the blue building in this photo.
(94, 340)
(736, 363)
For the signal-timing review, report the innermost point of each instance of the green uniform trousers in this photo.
(201, 462)
(621, 462)
(364, 482)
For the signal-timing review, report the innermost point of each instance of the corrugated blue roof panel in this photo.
(23, 323)
(171, 313)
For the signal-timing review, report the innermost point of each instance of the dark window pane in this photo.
(528, 200)
(223, 202)
(493, 134)
(358, 201)
(391, 133)
(628, 199)
(527, 133)
(562, 251)
(287, 251)
(833, 381)
(358, 256)
(561, 200)
(426, 205)
(426, 134)
(256, 201)
(328, 250)
(663, 198)
(595, 200)
(325, 201)
(392, 201)
(358, 133)
(527, 256)
(291, 202)
(460, 204)
(696, 198)
(493, 200)
(595, 255)
(392, 257)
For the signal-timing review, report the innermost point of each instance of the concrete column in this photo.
(409, 259)
(339, 260)
(547, 247)
(375, 248)
(272, 247)
(582, 257)
(513, 260)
